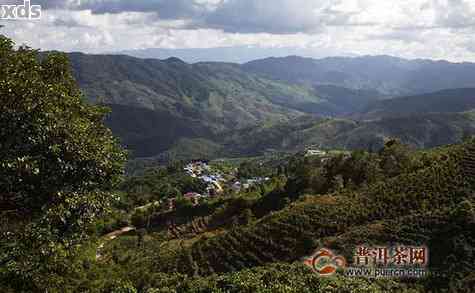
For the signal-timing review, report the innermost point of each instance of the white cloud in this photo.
(439, 29)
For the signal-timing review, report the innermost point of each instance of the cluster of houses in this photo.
(202, 171)
(197, 168)
(214, 181)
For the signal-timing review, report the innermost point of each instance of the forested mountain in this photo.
(163, 107)
(147, 132)
(348, 100)
(446, 101)
(425, 130)
(421, 131)
(220, 95)
(389, 76)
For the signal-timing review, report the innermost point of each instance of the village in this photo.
(217, 182)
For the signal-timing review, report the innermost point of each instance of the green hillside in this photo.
(429, 201)
(219, 95)
(148, 132)
(447, 101)
(287, 235)
(422, 131)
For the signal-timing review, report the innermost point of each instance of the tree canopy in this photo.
(58, 163)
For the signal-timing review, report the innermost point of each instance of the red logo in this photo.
(325, 262)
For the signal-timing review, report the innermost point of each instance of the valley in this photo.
(166, 110)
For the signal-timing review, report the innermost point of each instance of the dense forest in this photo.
(63, 191)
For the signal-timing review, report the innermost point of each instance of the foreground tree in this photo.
(58, 166)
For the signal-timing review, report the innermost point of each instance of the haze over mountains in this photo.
(388, 75)
(235, 54)
(444, 101)
(170, 107)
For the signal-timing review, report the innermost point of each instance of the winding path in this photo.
(111, 236)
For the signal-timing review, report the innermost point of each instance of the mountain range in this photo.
(388, 75)
(173, 109)
(234, 54)
(448, 101)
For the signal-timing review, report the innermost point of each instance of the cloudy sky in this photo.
(436, 29)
